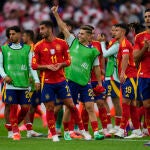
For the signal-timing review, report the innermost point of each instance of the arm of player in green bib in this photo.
(61, 24)
(111, 51)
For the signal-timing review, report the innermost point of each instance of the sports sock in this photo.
(103, 117)
(14, 118)
(109, 118)
(85, 118)
(29, 126)
(75, 113)
(134, 117)
(94, 125)
(51, 121)
(147, 118)
(125, 115)
(71, 123)
(8, 127)
(117, 120)
(22, 113)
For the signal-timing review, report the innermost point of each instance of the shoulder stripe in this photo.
(140, 33)
(39, 42)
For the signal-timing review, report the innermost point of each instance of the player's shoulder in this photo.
(60, 40)
(140, 34)
(39, 43)
(95, 42)
(125, 42)
(112, 41)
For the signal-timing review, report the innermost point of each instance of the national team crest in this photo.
(52, 51)
(10, 98)
(58, 47)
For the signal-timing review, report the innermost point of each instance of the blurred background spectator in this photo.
(101, 14)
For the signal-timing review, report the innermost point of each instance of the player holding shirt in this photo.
(142, 56)
(50, 57)
(99, 98)
(127, 74)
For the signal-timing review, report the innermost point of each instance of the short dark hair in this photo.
(86, 28)
(47, 23)
(7, 32)
(15, 28)
(138, 27)
(123, 26)
(30, 33)
(147, 10)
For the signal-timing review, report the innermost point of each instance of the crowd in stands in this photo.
(98, 13)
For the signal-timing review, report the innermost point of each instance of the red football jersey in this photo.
(46, 53)
(126, 48)
(97, 45)
(144, 64)
(111, 42)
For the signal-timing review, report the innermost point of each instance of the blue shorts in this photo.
(85, 92)
(16, 97)
(100, 96)
(52, 91)
(129, 89)
(144, 88)
(139, 95)
(35, 98)
(112, 88)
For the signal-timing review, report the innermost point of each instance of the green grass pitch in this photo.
(42, 143)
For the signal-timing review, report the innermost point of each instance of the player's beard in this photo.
(44, 36)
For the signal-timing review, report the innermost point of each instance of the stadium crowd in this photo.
(100, 14)
(118, 31)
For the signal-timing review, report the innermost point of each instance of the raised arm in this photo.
(107, 52)
(111, 51)
(60, 23)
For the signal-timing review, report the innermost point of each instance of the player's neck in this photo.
(148, 29)
(30, 42)
(50, 38)
(121, 38)
(86, 43)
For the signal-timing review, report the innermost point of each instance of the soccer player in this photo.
(136, 28)
(28, 38)
(99, 98)
(127, 74)
(58, 110)
(15, 65)
(51, 56)
(112, 83)
(142, 56)
(78, 73)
